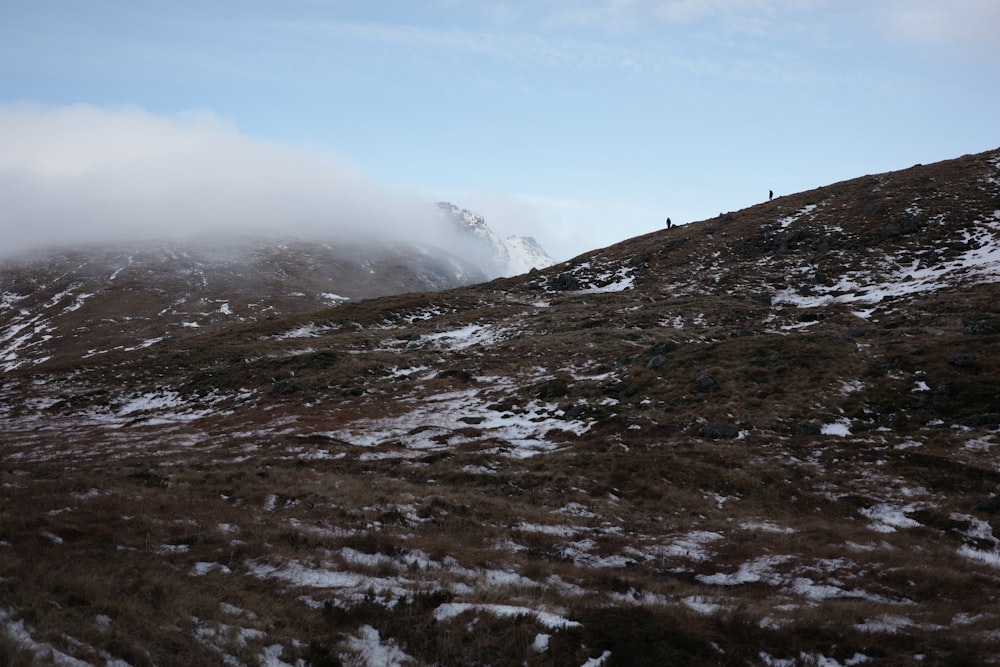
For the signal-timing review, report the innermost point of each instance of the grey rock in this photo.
(284, 388)
(805, 428)
(718, 430)
(990, 506)
(705, 383)
(656, 362)
(965, 361)
(977, 326)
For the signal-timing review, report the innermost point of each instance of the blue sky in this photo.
(578, 122)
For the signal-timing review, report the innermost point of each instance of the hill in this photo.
(765, 438)
(62, 304)
(77, 303)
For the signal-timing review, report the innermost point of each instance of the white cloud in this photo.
(81, 173)
(967, 25)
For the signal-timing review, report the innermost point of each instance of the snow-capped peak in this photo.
(524, 253)
(479, 243)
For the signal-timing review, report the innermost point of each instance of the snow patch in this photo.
(310, 330)
(549, 620)
(788, 220)
(368, 647)
(887, 519)
(438, 417)
(841, 428)
(980, 555)
(466, 337)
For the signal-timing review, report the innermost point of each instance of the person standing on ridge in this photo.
(770, 195)
(669, 224)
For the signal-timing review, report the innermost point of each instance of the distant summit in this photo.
(495, 256)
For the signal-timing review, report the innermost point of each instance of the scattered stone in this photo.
(471, 420)
(656, 362)
(284, 388)
(620, 390)
(991, 505)
(458, 374)
(565, 282)
(896, 229)
(322, 359)
(986, 419)
(889, 419)
(965, 361)
(663, 348)
(706, 383)
(805, 429)
(977, 326)
(552, 389)
(878, 208)
(718, 430)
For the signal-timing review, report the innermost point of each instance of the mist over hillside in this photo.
(77, 302)
(81, 175)
(473, 238)
(766, 438)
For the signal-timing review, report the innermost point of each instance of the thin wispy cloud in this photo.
(965, 25)
(962, 25)
(511, 47)
(526, 51)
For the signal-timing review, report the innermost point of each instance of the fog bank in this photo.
(82, 174)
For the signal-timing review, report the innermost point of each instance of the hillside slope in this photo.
(72, 304)
(765, 438)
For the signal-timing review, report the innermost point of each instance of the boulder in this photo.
(718, 430)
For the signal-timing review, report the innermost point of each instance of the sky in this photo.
(578, 122)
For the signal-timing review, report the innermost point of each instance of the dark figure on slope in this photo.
(770, 195)
(669, 224)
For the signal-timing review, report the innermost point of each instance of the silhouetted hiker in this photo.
(669, 224)
(770, 195)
